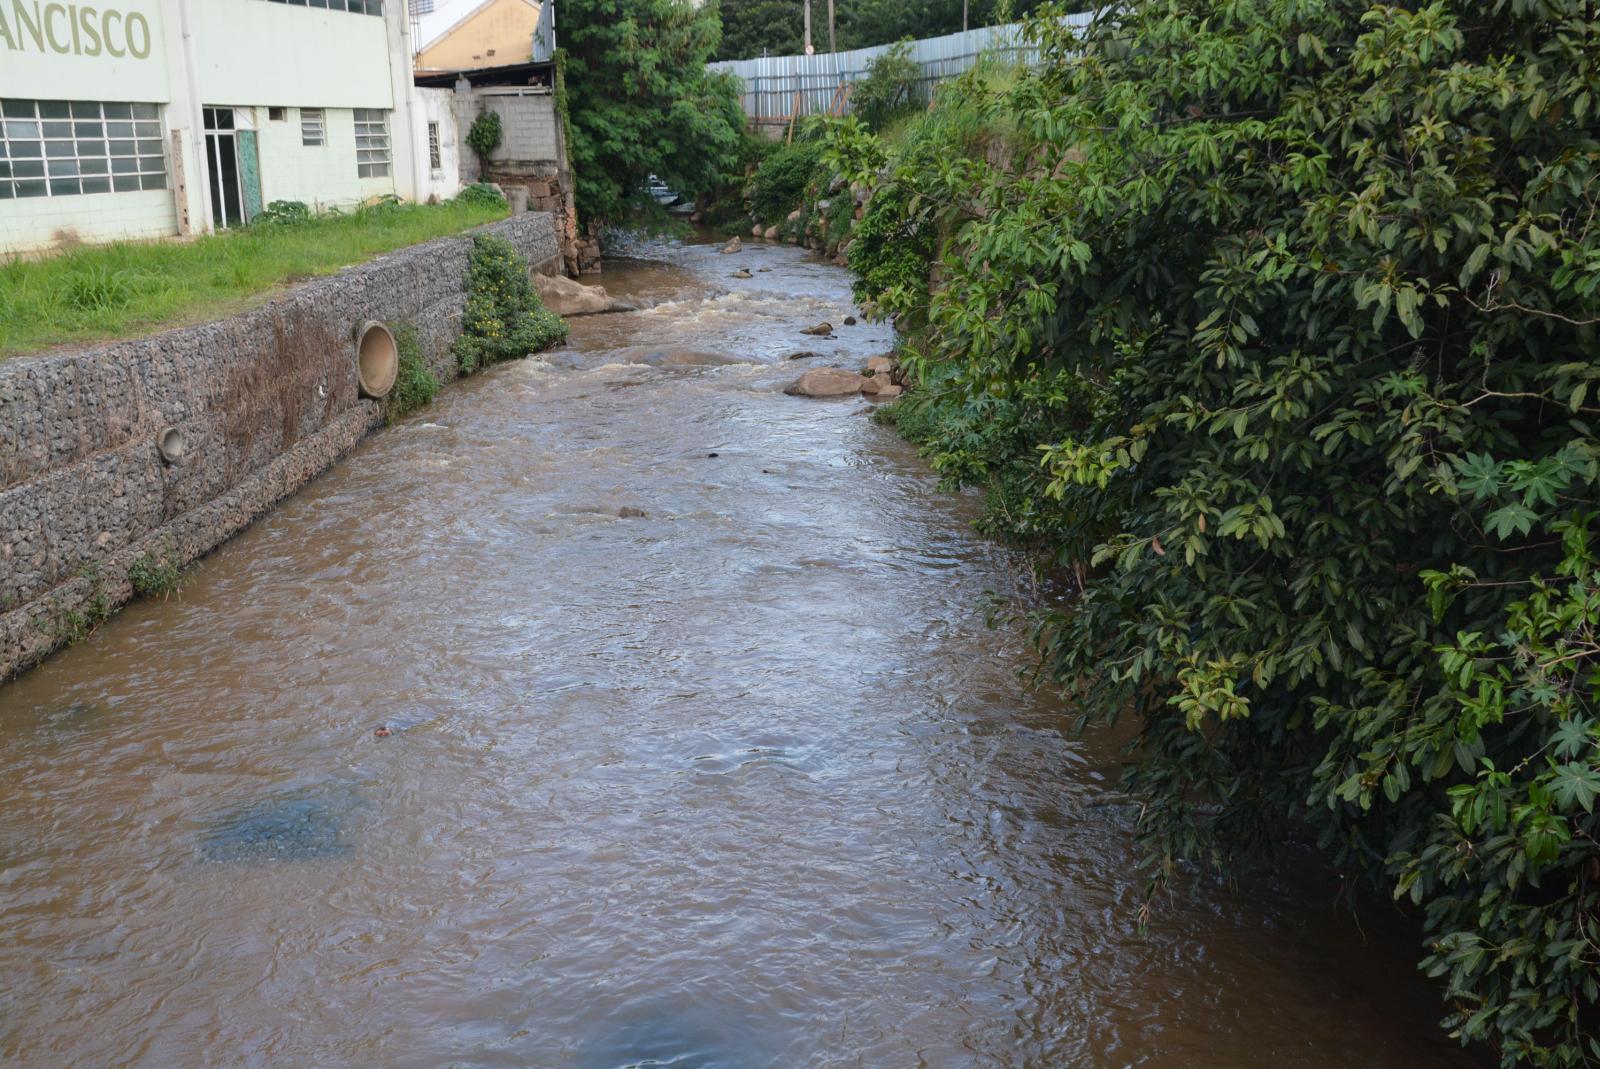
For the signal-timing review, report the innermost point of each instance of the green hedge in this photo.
(1292, 306)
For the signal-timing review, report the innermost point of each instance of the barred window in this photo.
(372, 143)
(311, 127)
(56, 148)
(421, 7)
(433, 147)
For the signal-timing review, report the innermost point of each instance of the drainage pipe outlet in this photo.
(377, 359)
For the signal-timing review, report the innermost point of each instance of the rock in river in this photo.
(821, 330)
(733, 246)
(565, 297)
(827, 382)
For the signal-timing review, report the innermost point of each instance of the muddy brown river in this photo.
(743, 782)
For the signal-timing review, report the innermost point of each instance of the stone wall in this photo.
(265, 400)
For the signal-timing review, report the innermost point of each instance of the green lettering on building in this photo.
(73, 29)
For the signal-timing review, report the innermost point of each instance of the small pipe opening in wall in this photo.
(377, 359)
(170, 443)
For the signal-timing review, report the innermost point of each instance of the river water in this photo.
(743, 782)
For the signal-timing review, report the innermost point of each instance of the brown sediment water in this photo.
(745, 781)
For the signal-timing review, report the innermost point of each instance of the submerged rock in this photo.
(628, 512)
(563, 296)
(667, 356)
(818, 331)
(296, 827)
(743, 272)
(849, 321)
(827, 382)
(802, 354)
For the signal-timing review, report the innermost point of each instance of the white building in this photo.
(149, 118)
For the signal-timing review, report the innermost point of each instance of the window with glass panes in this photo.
(59, 148)
(311, 128)
(372, 143)
(359, 7)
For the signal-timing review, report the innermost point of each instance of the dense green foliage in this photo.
(642, 102)
(484, 136)
(481, 193)
(504, 318)
(779, 184)
(1297, 302)
(415, 384)
(755, 27)
(127, 287)
(891, 90)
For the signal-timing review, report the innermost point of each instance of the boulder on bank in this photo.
(772, 233)
(827, 382)
(880, 365)
(880, 388)
(566, 297)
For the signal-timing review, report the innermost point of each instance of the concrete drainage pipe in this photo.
(377, 359)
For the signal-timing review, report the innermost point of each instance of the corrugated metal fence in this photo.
(777, 87)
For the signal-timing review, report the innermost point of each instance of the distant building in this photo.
(456, 35)
(149, 118)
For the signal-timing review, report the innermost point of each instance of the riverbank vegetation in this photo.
(127, 288)
(504, 318)
(1273, 327)
(640, 101)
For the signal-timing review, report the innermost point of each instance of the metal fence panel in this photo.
(771, 83)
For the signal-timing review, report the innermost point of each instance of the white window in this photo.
(372, 143)
(421, 7)
(360, 7)
(311, 132)
(433, 147)
(53, 148)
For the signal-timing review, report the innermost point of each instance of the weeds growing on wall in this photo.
(1273, 325)
(153, 576)
(415, 385)
(504, 318)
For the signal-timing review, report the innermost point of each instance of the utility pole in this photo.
(963, 15)
(832, 46)
(809, 49)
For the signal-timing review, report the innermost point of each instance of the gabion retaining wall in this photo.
(265, 400)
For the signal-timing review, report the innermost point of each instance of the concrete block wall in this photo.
(265, 399)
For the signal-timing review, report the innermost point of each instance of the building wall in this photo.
(49, 222)
(528, 119)
(444, 181)
(265, 400)
(322, 176)
(254, 52)
(184, 55)
(503, 28)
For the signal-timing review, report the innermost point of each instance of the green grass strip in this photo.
(127, 289)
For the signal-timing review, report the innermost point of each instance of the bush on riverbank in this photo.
(127, 288)
(1298, 306)
(504, 318)
(415, 385)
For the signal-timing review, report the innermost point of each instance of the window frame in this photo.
(80, 148)
(374, 153)
(318, 116)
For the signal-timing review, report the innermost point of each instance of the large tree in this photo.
(642, 102)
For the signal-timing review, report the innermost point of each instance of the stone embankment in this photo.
(249, 408)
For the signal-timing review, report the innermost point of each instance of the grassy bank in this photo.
(129, 288)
